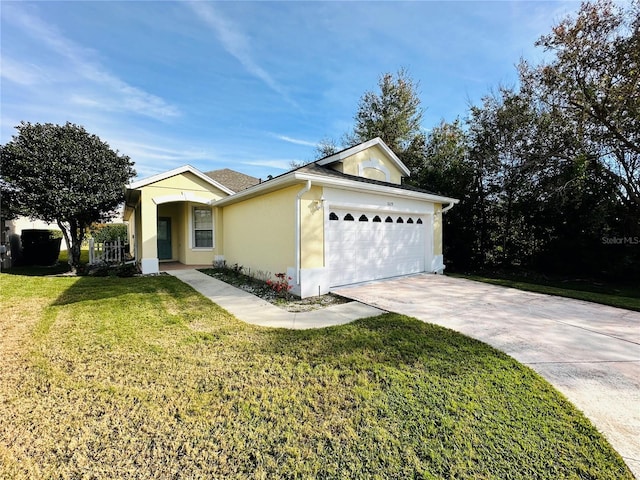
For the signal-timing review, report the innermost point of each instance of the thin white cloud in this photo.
(120, 96)
(272, 163)
(20, 73)
(158, 153)
(297, 141)
(237, 44)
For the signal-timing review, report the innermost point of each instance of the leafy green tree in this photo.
(395, 115)
(7, 202)
(108, 232)
(447, 169)
(593, 79)
(63, 174)
(544, 200)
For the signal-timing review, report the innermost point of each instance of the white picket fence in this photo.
(109, 252)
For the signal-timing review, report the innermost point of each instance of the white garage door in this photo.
(364, 246)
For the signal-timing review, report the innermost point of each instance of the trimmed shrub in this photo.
(108, 232)
(103, 269)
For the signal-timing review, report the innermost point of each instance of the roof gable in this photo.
(350, 152)
(179, 171)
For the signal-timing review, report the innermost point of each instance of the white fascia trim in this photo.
(363, 146)
(177, 171)
(321, 180)
(371, 187)
(259, 189)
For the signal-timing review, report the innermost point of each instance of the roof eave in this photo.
(131, 201)
(322, 180)
(371, 187)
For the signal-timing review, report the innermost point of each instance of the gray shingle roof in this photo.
(233, 180)
(330, 172)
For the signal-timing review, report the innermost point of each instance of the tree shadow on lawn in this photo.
(100, 288)
(415, 377)
(390, 339)
(39, 271)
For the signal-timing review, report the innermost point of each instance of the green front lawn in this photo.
(144, 378)
(621, 296)
(84, 256)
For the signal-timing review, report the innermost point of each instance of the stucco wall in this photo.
(312, 229)
(186, 181)
(175, 197)
(148, 225)
(350, 165)
(259, 233)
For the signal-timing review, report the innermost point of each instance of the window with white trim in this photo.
(202, 227)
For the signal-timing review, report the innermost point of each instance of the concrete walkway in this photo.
(254, 310)
(589, 352)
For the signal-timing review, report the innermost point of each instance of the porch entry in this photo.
(164, 238)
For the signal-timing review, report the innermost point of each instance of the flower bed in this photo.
(272, 290)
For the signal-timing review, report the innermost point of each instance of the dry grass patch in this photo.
(145, 378)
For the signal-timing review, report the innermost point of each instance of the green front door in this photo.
(164, 238)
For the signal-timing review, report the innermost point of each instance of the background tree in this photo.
(592, 86)
(395, 115)
(544, 171)
(63, 174)
(543, 198)
(447, 168)
(326, 147)
(594, 80)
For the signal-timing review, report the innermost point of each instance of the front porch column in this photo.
(149, 227)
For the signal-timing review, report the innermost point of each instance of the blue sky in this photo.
(250, 86)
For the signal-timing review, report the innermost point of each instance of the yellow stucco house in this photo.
(346, 218)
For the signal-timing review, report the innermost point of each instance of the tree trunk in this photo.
(73, 237)
(76, 242)
(67, 240)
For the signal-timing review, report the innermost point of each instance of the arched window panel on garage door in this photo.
(333, 216)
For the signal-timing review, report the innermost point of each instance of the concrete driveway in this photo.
(589, 352)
